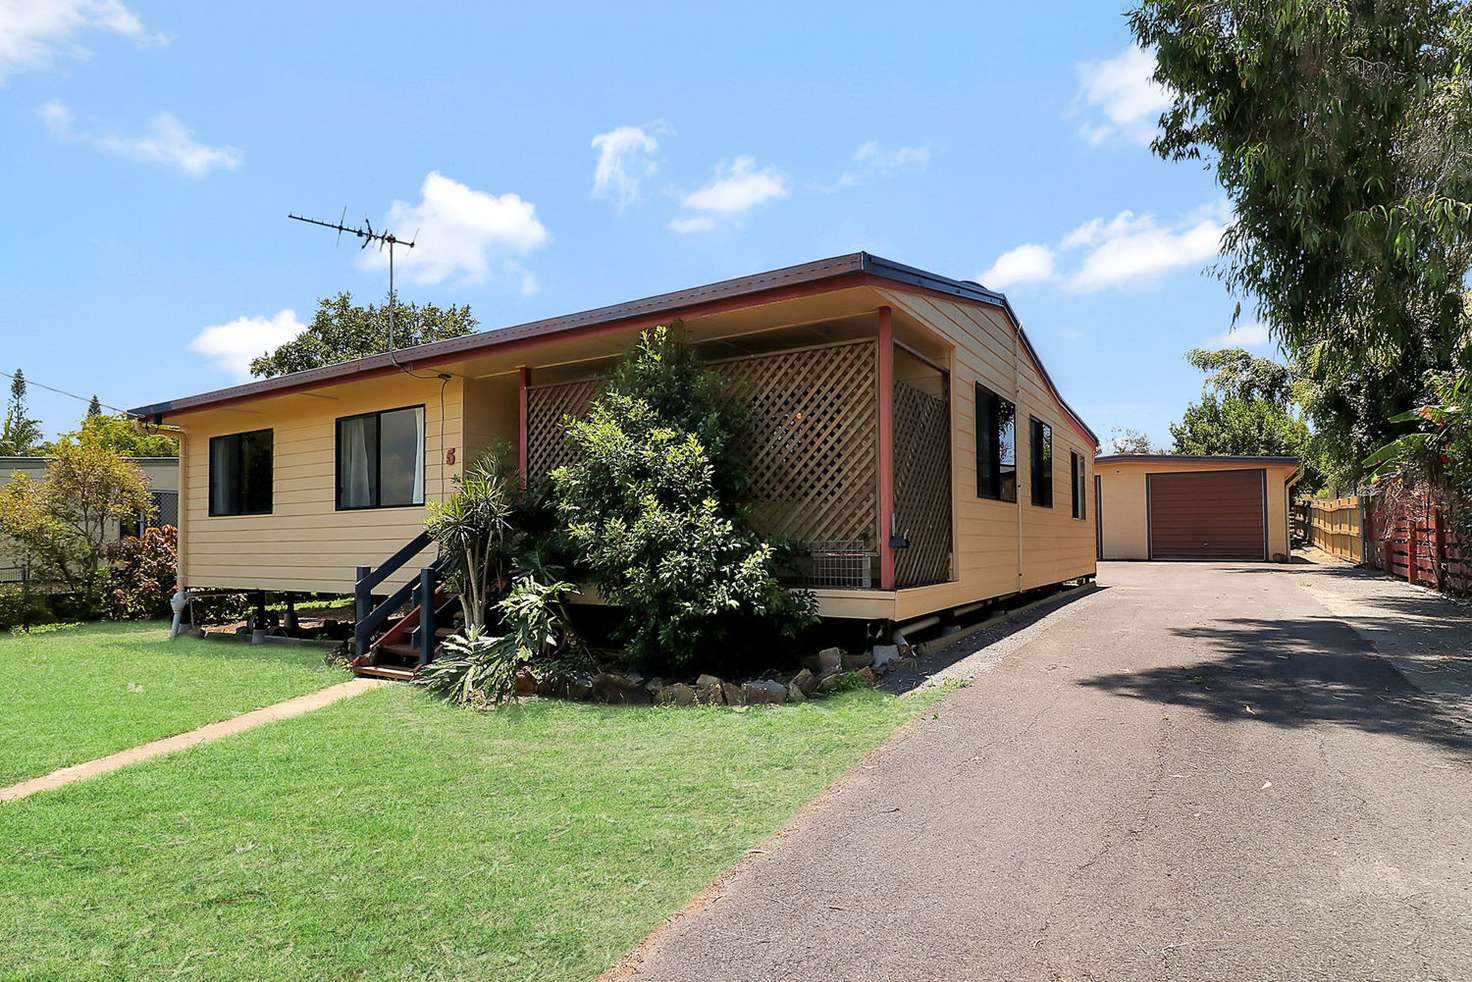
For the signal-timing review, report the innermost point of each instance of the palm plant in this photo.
(476, 533)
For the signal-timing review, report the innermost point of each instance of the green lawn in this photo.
(74, 694)
(393, 836)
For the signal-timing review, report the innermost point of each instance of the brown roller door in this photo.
(1208, 515)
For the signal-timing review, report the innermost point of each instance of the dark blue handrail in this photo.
(369, 619)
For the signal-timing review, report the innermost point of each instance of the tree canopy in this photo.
(62, 522)
(19, 432)
(342, 331)
(1340, 132)
(117, 433)
(1246, 408)
(1127, 440)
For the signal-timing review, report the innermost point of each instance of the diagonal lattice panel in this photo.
(546, 406)
(922, 486)
(812, 447)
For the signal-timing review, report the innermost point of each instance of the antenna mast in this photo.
(369, 236)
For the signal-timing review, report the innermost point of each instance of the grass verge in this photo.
(394, 836)
(75, 694)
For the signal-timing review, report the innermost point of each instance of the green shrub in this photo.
(653, 504)
(141, 575)
(474, 668)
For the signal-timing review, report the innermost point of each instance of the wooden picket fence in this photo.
(1410, 537)
(1336, 527)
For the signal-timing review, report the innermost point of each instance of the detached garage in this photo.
(1165, 507)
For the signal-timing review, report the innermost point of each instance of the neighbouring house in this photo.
(906, 434)
(163, 481)
(1162, 506)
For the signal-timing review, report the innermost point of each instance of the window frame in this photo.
(239, 439)
(1040, 464)
(986, 393)
(377, 486)
(1079, 471)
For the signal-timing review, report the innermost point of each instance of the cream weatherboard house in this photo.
(905, 432)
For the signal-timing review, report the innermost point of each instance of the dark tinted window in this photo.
(1077, 467)
(241, 473)
(996, 446)
(380, 459)
(1041, 448)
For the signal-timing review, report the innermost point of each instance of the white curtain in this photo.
(357, 491)
(419, 455)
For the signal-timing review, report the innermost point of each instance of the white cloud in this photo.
(232, 346)
(461, 232)
(738, 187)
(530, 285)
(1121, 97)
(1131, 250)
(690, 226)
(871, 160)
(1254, 335)
(1128, 250)
(34, 32)
(625, 157)
(1024, 264)
(165, 140)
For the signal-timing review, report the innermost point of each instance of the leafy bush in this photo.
(653, 503)
(142, 575)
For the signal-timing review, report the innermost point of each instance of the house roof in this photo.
(851, 269)
(1130, 458)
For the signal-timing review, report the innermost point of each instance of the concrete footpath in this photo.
(193, 738)
(1197, 771)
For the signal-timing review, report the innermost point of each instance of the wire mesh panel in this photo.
(546, 405)
(922, 486)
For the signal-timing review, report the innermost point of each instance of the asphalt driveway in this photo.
(1195, 772)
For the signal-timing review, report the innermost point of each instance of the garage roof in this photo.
(1125, 458)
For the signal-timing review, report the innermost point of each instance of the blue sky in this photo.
(561, 157)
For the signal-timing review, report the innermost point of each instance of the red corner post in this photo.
(521, 438)
(886, 448)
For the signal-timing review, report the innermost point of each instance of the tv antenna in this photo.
(369, 235)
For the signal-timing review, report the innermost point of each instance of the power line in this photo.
(70, 395)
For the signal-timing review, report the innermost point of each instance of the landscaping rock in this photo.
(618, 690)
(867, 674)
(806, 681)
(580, 687)
(678, 694)
(829, 660)
(764, 691)
(908, 665)
(885, 655)
(733, 694)
(653, 686)
(831, 682)
(526, 682)
(550, 686)
(795, 693)
(709, 691)
(853, 663)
